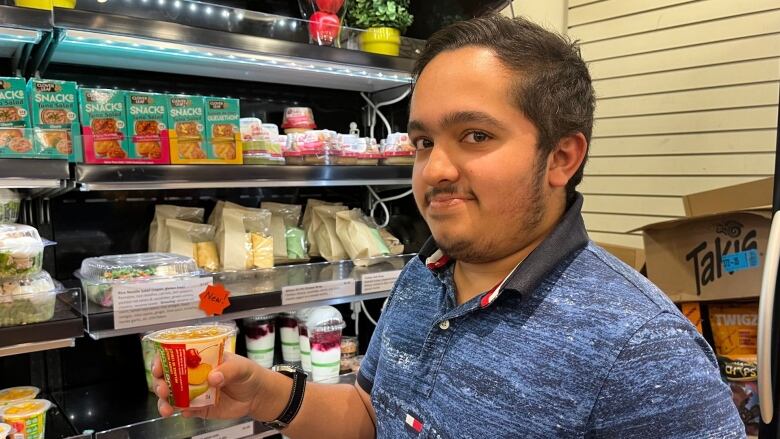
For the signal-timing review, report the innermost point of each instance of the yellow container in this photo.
(27, 418)
(382, 40)
(46, 4)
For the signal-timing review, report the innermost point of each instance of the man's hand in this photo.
(239, 380)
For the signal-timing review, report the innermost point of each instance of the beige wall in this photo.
(687, 101)
(549, 13)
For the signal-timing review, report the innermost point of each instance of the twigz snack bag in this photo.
(103, 124)
(147, 126)
(54, 108)
(15, 134)
(223, 129)
(185, 129)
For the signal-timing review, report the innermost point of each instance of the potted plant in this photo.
(384, 21)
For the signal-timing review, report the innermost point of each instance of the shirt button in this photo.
(445, 325)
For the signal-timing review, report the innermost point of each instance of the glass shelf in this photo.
(255, 292)
(19, 26)
(33, 173)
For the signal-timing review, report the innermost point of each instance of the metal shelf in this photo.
(182, 45)
(20, 26)
(130, 177)
(33, 173)
(60, 331)
(256, 292)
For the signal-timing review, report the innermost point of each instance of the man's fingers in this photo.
(164, 408)
(234, 370)
(157, 371)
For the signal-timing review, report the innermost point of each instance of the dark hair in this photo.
(553, 87)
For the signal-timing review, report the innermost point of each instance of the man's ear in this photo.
(565, 159)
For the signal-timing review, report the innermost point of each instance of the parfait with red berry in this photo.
(324, 326)
(260, 336)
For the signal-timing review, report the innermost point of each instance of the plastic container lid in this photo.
(40, 282)
(7, 195)
(24, 409)
(20, 239)
(263, 318)
(121, 268)
(194, 334)
(298, 117)
(303, 315)
(15, 394)
(325, 319)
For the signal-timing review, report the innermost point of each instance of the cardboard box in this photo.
(147, 126)
(185, 129)
(16, 138)
(223, 132)
(633, 257)
(54, 112)
(711, 257)
(104, 126)
(752, 195)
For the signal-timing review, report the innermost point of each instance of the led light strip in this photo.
(145, 46)
(19, 35)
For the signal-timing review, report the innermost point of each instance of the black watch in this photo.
(296, 396)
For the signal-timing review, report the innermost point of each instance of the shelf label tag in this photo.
(151, 303)
(235, 432)
(317, 291)
(214, 300)
(378, 282)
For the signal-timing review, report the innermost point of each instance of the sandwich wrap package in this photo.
(159, 241)
(310, 223)
(244, 238)
(328, 241)
(393, 243)
(194, 240)
(284, 228)
(360, 238)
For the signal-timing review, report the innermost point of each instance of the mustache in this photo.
(448, 191)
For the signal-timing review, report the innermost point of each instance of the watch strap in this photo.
(293, 404)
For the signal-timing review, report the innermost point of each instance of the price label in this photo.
(740, 261)
(235, 432)
(151, 303)
(317, 291)
(378, 282)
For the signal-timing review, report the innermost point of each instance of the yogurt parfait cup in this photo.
(16, 394)
(26, 418)
(303, 339)
(260, 336)
(324, 326)
(288, 330)
(188, 354)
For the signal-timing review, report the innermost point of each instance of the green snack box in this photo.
(223, 134)
(147, 126)
(15, 130)
(104, 125)
(54, 108)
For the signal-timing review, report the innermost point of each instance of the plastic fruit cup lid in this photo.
(25, 409)
(21, 393)
(189, 334)
(4, 429)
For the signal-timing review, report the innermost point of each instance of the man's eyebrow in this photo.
(458, 117)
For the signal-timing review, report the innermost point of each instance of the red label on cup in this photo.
(173, 358)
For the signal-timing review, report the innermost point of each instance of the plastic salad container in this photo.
(98, 275)
(21, 250)
(398, 150)
(27, 299)
(15, 394)
(9, 206)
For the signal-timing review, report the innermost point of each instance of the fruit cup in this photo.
(16, 394)
(325, 20)
(324, 326)
(27, 418)
(4, 430)
(288, 329)
(260, 336)
(147, 349)
(188, 354)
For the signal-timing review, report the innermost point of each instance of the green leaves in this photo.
(380, 13)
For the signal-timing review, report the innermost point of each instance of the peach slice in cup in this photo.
(27, 418)
(188, 354)
(4, 430)
(21, 393)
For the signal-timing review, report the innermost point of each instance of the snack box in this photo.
(98, 275)
(186, 125)
(147, 127)
(54, 114)
(104, 125)
(16, 138)
(223, 132)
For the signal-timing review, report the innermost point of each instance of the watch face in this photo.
(287, 369)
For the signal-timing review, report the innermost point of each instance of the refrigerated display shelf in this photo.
(256, 292)
(90, 38)
(60, 331)
(19, 26)
(133, 177)
(32, 173)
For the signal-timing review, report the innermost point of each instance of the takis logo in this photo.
(707, 257)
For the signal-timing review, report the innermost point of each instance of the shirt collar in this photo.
(568, 237)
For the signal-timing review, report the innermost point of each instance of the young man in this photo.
(510, 323)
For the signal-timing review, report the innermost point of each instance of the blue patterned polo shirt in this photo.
(573, 344)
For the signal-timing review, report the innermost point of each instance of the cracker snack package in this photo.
(223, 133)
(147, 127)
(186, 127)
(54, 112)
(103, 125)
(16, 138)
(734, 332)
